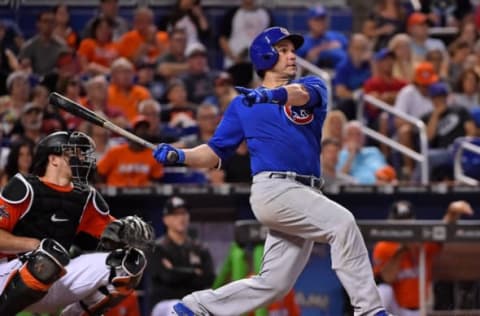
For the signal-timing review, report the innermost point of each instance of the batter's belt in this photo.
(310, 181)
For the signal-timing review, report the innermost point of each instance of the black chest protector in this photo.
(53, 214)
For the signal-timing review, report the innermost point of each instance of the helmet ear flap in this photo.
(270, 57)
(263, 55)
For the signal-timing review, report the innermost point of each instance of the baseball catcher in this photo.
(44, 214)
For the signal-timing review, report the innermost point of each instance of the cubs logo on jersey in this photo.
(298, 114)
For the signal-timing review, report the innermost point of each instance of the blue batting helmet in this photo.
(262, 53)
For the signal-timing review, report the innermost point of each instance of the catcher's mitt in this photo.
(130, 231)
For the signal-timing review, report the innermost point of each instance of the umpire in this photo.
(178, 264)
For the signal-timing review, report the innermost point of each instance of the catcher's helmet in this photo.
(262, 51)
(78, 147)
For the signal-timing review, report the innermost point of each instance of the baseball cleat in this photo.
(182, 310)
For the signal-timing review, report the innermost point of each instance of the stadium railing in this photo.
(421, 156)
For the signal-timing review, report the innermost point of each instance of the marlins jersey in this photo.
(279, 138)
(32, 208)
(406, 282)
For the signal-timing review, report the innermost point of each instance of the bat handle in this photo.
(172, 156)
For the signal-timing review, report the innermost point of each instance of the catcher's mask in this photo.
(77, 147)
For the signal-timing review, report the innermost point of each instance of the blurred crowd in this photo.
(423, 62)
(156, 77)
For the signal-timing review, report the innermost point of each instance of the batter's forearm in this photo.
(201, 157)
(297, 94)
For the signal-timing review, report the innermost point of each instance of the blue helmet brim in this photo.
(296, 39)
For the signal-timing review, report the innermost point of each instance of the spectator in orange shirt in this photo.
(123, 94)
(144, 43)
(98, 51)
(130, 164)
(396, 265)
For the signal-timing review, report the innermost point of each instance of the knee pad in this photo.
(20, 292)
(126, 270)
(31, 282)
(47, 263)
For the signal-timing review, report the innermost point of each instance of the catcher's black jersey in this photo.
(53, 213)
(32, 208)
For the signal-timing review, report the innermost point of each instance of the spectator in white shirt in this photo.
(239, 28)
(413, 100)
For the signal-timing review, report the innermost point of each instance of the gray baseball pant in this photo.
(297, 216)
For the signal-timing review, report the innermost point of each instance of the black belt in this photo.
(310, 181)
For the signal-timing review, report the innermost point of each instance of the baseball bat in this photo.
(77, 109)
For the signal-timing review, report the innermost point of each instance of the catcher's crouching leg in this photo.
(126, 270)
(30, 283)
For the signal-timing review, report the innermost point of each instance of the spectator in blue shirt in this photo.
(351, 74)
(322, 47)
(356, 159)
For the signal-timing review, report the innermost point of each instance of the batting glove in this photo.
(167, 154)
(263, 95)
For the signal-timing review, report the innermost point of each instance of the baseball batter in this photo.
(42, 214)
(282, 123)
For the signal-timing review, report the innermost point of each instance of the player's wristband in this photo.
(278, 95)
(181, 156)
